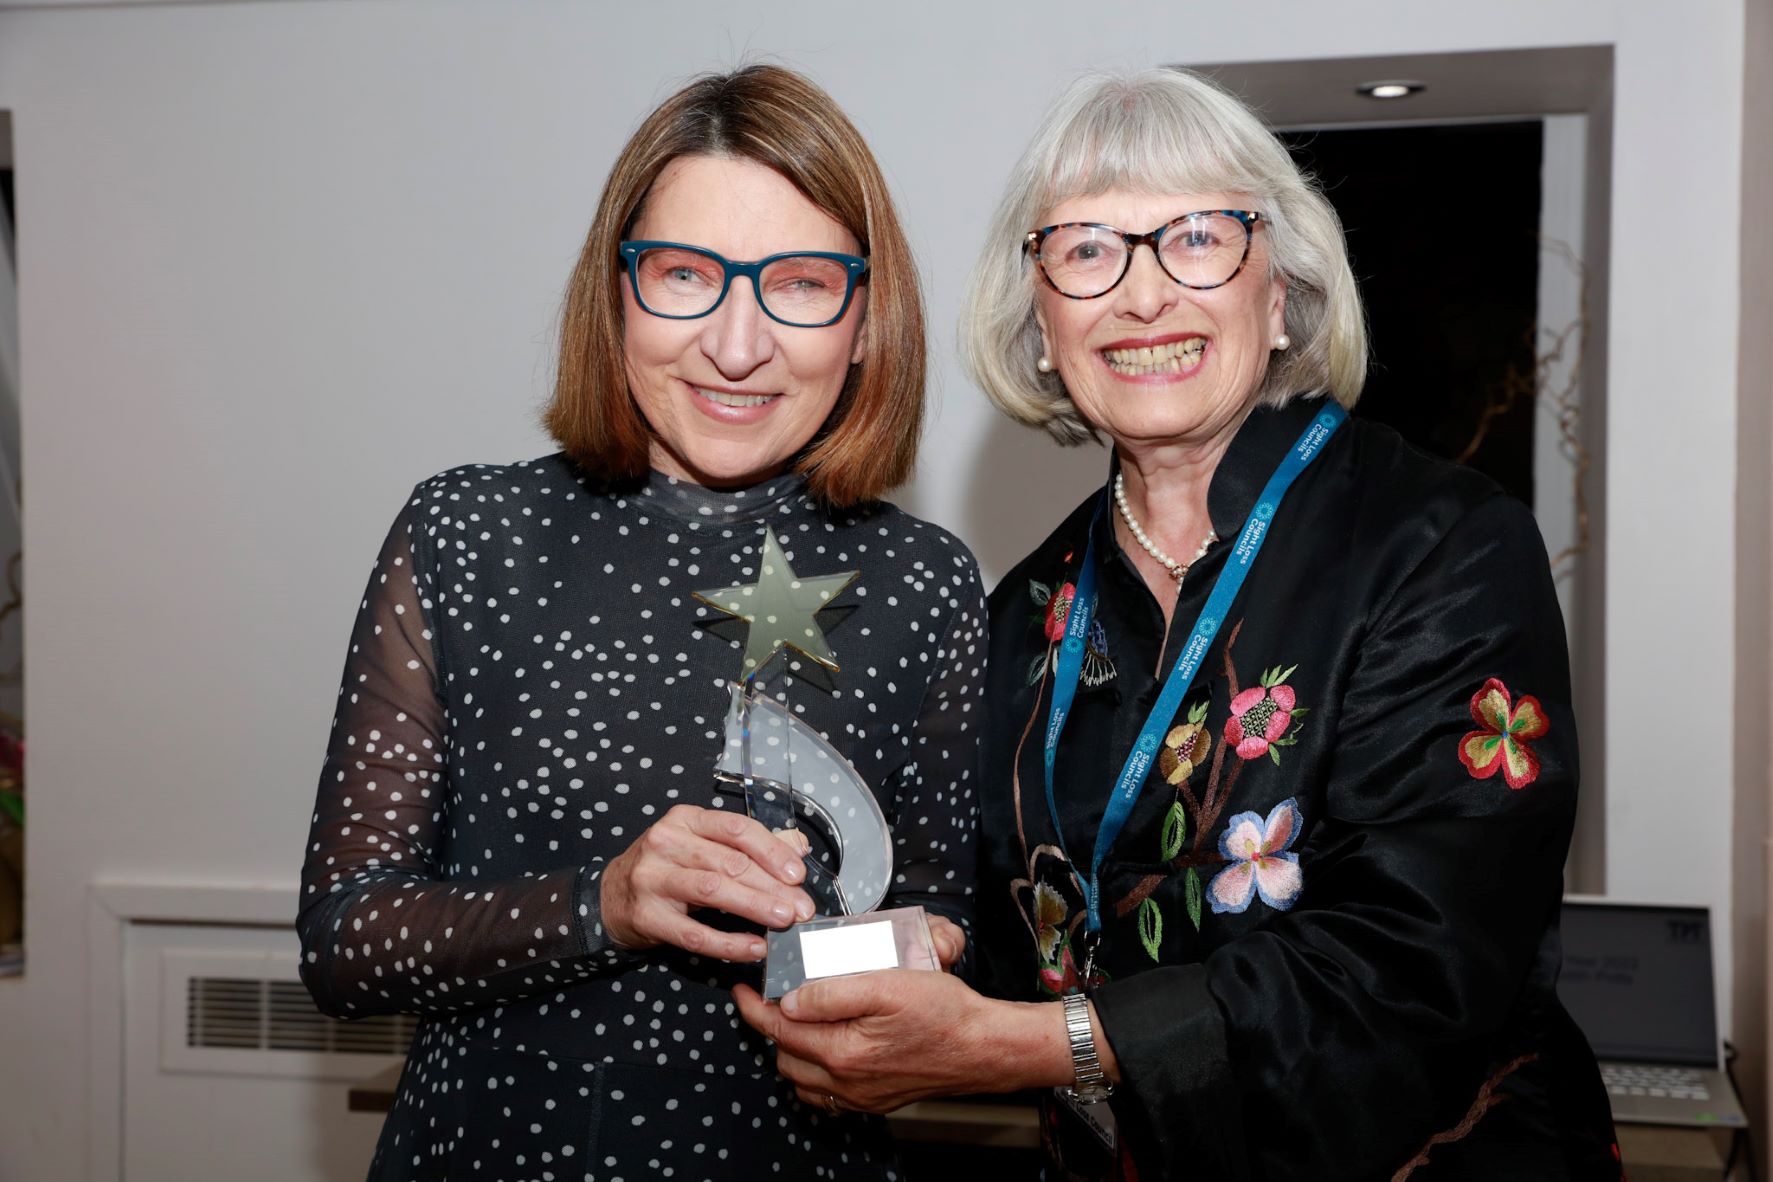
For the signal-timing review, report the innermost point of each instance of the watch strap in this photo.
(1090, 1085)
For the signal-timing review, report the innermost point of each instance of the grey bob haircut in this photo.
(1161, 131)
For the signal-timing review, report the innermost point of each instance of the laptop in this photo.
(1637, 979)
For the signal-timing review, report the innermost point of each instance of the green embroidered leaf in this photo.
(1274, 754)
(1040, 592)
(1280, 677)
(1038, 669)
(1197, 713)
(1267, 678)
(1191, 888)
(1151, 927)
(1175, 830)
(1300, 711)
(1291, 737)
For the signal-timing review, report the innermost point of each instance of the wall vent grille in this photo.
(260, 1015)
(227, 1011)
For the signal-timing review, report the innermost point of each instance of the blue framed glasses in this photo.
(1202, 250)
(802, 289)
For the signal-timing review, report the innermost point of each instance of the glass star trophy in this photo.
(790, 777)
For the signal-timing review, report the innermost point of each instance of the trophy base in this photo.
(838, 945)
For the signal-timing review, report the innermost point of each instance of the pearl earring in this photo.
(1282, 342)
(1044, 365)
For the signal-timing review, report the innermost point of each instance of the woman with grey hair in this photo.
(1281, 765)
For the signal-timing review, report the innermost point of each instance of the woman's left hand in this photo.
(878, 1041)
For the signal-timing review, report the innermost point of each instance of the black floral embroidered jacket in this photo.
(1330, 946)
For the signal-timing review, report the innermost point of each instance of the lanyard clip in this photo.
(1092, 941)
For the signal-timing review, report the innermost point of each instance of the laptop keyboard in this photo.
(1678, 1083)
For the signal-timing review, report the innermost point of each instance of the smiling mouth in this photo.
(725, 398)
(1174, 357)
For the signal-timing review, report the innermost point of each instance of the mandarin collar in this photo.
(1262, 441)
(1257, 449)
(698, 504)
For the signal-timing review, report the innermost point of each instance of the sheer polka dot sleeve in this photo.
(387, 921)
(936, 826)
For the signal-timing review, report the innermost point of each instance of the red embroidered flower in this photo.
(1502, 744)
(1261, 715)
(1060, 978)
(1063, 977)
(1058, 610)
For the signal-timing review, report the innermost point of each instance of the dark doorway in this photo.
(1443, 227)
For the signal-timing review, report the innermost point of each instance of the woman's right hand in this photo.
(703, 858)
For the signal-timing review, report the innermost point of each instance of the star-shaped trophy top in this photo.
(780, 608)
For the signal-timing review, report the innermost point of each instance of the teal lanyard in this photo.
(1200, 639)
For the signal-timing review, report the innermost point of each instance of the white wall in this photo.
(278, 261)
(1754, 577)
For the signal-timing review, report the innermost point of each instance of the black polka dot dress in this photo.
(530, 684)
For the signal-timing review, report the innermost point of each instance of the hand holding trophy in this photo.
(791, 778)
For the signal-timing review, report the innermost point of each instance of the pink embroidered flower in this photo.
(1061, 978)
(1502, 744)
(1058, 610)
(1260, 863)
(1260, 716)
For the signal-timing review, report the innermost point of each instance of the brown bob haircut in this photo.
(782, 121)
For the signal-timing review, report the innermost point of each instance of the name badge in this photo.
(1097, 1117)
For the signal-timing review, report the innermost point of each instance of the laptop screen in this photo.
(1637, 980)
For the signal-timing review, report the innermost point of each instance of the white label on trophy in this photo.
(831, 952)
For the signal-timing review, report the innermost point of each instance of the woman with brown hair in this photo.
(517, 834)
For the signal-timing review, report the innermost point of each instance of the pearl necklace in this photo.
(1177, 569)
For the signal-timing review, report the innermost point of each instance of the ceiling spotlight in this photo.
(1391, 89)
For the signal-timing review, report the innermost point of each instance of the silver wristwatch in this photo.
(1090, 1086)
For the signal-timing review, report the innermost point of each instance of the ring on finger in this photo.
(831, 1105)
